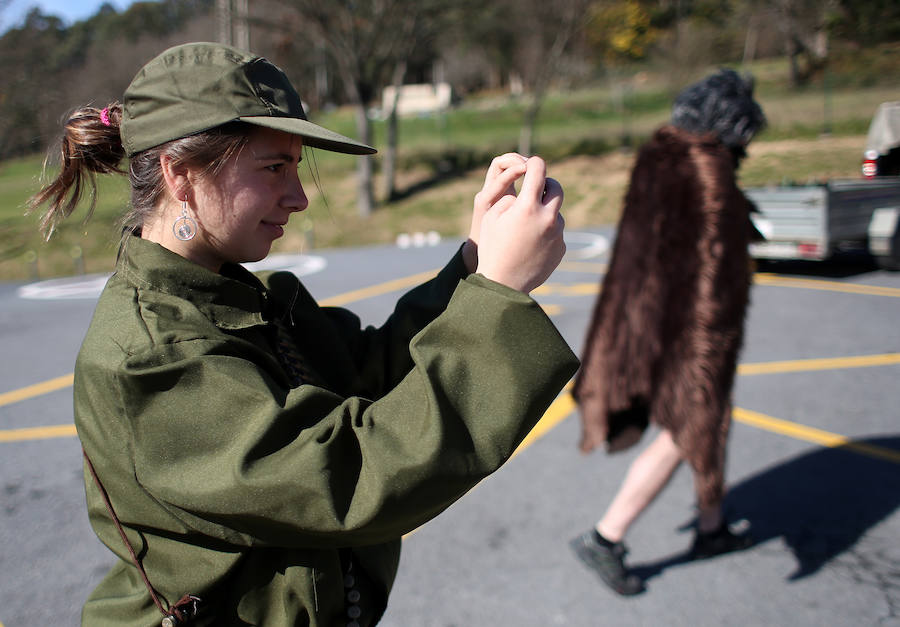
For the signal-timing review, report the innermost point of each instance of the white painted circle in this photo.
(587, 245)
(90, 286)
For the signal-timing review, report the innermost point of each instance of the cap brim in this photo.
(313, 135)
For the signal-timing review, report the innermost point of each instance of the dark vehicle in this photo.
(882, 154)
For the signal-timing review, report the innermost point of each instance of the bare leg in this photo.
(647, 476)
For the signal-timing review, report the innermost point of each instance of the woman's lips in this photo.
(276, 229)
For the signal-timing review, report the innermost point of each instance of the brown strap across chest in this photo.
(291, 358)
(185, 608)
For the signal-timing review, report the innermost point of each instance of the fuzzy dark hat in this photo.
(723, 104)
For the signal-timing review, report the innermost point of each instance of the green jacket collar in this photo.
(231, 299)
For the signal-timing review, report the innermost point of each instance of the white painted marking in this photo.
(90, 286)
(87, 286)
(418, 239)
(594, 245)
(301, 265)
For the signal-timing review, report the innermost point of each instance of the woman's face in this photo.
(244, 208)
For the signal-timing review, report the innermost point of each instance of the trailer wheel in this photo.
(884, 237)
(888, 263)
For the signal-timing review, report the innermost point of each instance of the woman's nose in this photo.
(295, 198)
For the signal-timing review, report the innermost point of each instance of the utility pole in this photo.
(241, 24)
(232, 23)
(223, 22)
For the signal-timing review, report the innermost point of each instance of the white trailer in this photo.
(817, 221)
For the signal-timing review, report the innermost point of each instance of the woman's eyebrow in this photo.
(276, 156)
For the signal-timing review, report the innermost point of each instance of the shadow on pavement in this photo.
(841, 265)
(820, 504)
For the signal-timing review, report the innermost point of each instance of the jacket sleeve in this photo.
(366, 361)
(232, 455)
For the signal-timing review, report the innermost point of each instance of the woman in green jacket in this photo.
(251, 457)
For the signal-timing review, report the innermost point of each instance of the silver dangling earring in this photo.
(185, 227)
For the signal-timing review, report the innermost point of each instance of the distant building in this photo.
(417, 99)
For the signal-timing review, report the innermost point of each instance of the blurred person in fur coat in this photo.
(667, 327)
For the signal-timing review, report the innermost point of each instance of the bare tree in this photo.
(424, 24)
(803, 24)
(367, 39)
(545, 32)
(389, 163)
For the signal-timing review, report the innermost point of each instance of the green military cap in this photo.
(198, 86)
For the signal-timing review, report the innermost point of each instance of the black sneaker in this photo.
(607, 562)
(722, 540)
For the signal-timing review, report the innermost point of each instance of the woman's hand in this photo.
(519, 236)
(499, 181)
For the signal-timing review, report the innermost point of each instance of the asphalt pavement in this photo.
(813, 465)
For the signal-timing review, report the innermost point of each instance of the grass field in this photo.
(580, 134)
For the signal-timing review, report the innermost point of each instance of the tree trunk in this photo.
(750, 40)
(570, 23)
(389, 160)
(365, 198)
(796, 76)
(526, 134)
(321, 77)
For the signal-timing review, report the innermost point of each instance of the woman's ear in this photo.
(176, 177)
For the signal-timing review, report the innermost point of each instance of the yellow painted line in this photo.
(806, 365)
(36, 390)
(377, 290)
(583, 266)
(762, 278)
(560, 409)
(552, 310)
(811, 434)
(59, 383)
(37, 433)
(564, 405)
(574, 289)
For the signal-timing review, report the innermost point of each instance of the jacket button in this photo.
(354, 612)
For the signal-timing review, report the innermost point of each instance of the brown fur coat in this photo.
(667, 327)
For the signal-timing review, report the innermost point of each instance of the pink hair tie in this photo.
(104, 117)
